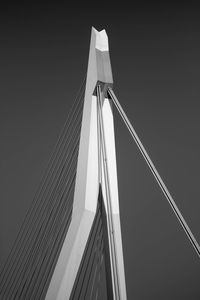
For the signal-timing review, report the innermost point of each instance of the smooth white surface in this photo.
(92, 180)
(102, 40)
(111, 154)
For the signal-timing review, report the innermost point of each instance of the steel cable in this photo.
(155, 173)
(10, 266)
(26, 246)
(44, 178)
(47, 226)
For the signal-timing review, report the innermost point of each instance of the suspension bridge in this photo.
(69, 245)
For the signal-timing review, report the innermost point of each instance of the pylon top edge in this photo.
(101, 40)
(99, 66)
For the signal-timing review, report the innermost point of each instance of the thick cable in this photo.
(155, 173)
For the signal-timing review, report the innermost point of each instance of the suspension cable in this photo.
(43, 181)
(45, 199)
(155, 173)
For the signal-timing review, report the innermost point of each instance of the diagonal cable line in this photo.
(55, 247)
(42, 239)
(90, 259)
(40, 266)
(32, 240)
(41, 294)
(57, 208)
(155, 173)
(10, 266)
(27, 245)
(51, 244)
(44, 178)
(96, 226)
(29, 264)
(92, 263)
(23, 227)
(98, 265)
(99, 274)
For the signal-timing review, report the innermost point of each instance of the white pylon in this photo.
(87, 178)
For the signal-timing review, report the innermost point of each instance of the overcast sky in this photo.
(155, 56)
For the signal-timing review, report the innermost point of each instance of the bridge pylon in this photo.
(96, 194)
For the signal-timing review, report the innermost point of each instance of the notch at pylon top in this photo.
(101, 40)
(99, 66)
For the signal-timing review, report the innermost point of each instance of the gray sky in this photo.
(156, 69)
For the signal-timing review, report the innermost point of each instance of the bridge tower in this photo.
(96, 189)
(70, 245)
